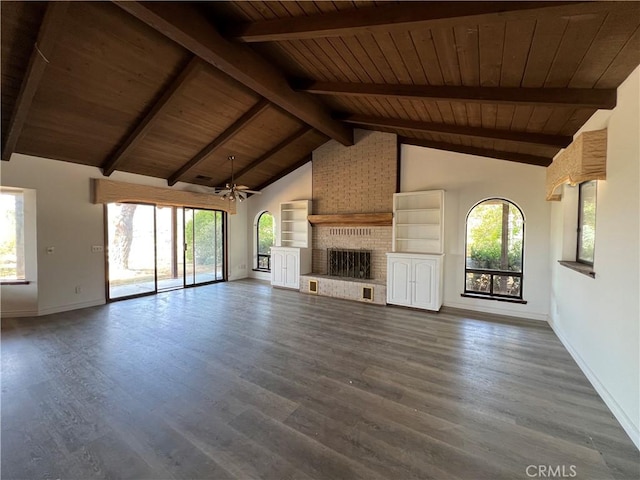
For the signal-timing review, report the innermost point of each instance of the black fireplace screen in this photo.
(349, 263)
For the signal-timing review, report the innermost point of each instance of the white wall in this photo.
(69, 222)
(598, 319)
(468, 179)
(295, 186)
(239, 266)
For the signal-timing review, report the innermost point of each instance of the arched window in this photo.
(494, 249)
(265, 239)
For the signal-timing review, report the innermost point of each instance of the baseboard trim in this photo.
(73, 306)
(18, 313)
(499, 311)
(627, 424)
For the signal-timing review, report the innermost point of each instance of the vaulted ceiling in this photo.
(171, 89)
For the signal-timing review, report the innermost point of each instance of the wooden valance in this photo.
(109, 191)
(585, 159)
(371, 219)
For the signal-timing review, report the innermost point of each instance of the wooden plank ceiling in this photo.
(171, 89)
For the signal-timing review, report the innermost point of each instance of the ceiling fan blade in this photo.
(222, 192)
(241, 187)
(252, 191)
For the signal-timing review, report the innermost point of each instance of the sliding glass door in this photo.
(203, 238)
(151, 248)
(169, 247)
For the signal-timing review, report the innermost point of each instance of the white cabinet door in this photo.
(291, 270)
(424, 277)
(285, 267)
(277, 267)
(399, 281)
(415, 280)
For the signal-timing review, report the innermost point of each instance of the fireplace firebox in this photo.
(349, 263)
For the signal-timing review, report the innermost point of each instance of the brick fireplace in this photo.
(377, 240)
(350, 180)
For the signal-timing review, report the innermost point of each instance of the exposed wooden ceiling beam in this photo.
(172, 91)
(266, 156)
(427, 127)
(482, 152)
(184, 24)
(555, 97)
(50, 29)
(404, 15)
(306, 159)
(220, 140)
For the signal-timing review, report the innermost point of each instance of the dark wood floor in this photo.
(239, 380)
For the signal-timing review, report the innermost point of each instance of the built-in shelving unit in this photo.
(418, 219)
(295, 230)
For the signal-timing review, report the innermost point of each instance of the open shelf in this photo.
(295, 230)
(418, 222)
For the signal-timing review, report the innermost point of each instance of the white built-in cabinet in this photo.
(415, 280)
(287, 264)
(415, 267)
(292, 257)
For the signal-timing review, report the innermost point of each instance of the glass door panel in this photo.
(189, 260)
(219, 246)
(205, 245)
(204, 254)
(169, 247)
(132, 262)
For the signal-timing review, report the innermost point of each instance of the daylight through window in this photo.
(494, 249)
(587, 222)
(265, 240)
(12, 235)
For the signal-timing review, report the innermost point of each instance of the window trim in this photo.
(492, 272)
(580, 220)
(257, 238)
(18, 280)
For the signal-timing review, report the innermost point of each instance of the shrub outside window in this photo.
(587, 222)
(494, 249)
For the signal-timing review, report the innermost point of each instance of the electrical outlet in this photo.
(78, 289)
(50, 250)
(97, 249)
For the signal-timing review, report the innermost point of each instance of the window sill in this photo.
(498, 299)
(579, 267)
(261, 270)
(14, 282)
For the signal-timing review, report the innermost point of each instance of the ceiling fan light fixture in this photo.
(232, 191)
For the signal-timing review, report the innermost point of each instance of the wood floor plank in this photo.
(340, 436)
(236, 452)
(310, 456)
(238, 380)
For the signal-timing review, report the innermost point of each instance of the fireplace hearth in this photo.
(349, 263)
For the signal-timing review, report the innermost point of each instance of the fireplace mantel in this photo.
(371, 219)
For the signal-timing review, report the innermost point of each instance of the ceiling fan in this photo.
(233, 192)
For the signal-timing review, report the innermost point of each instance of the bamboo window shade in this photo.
(585, 159)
